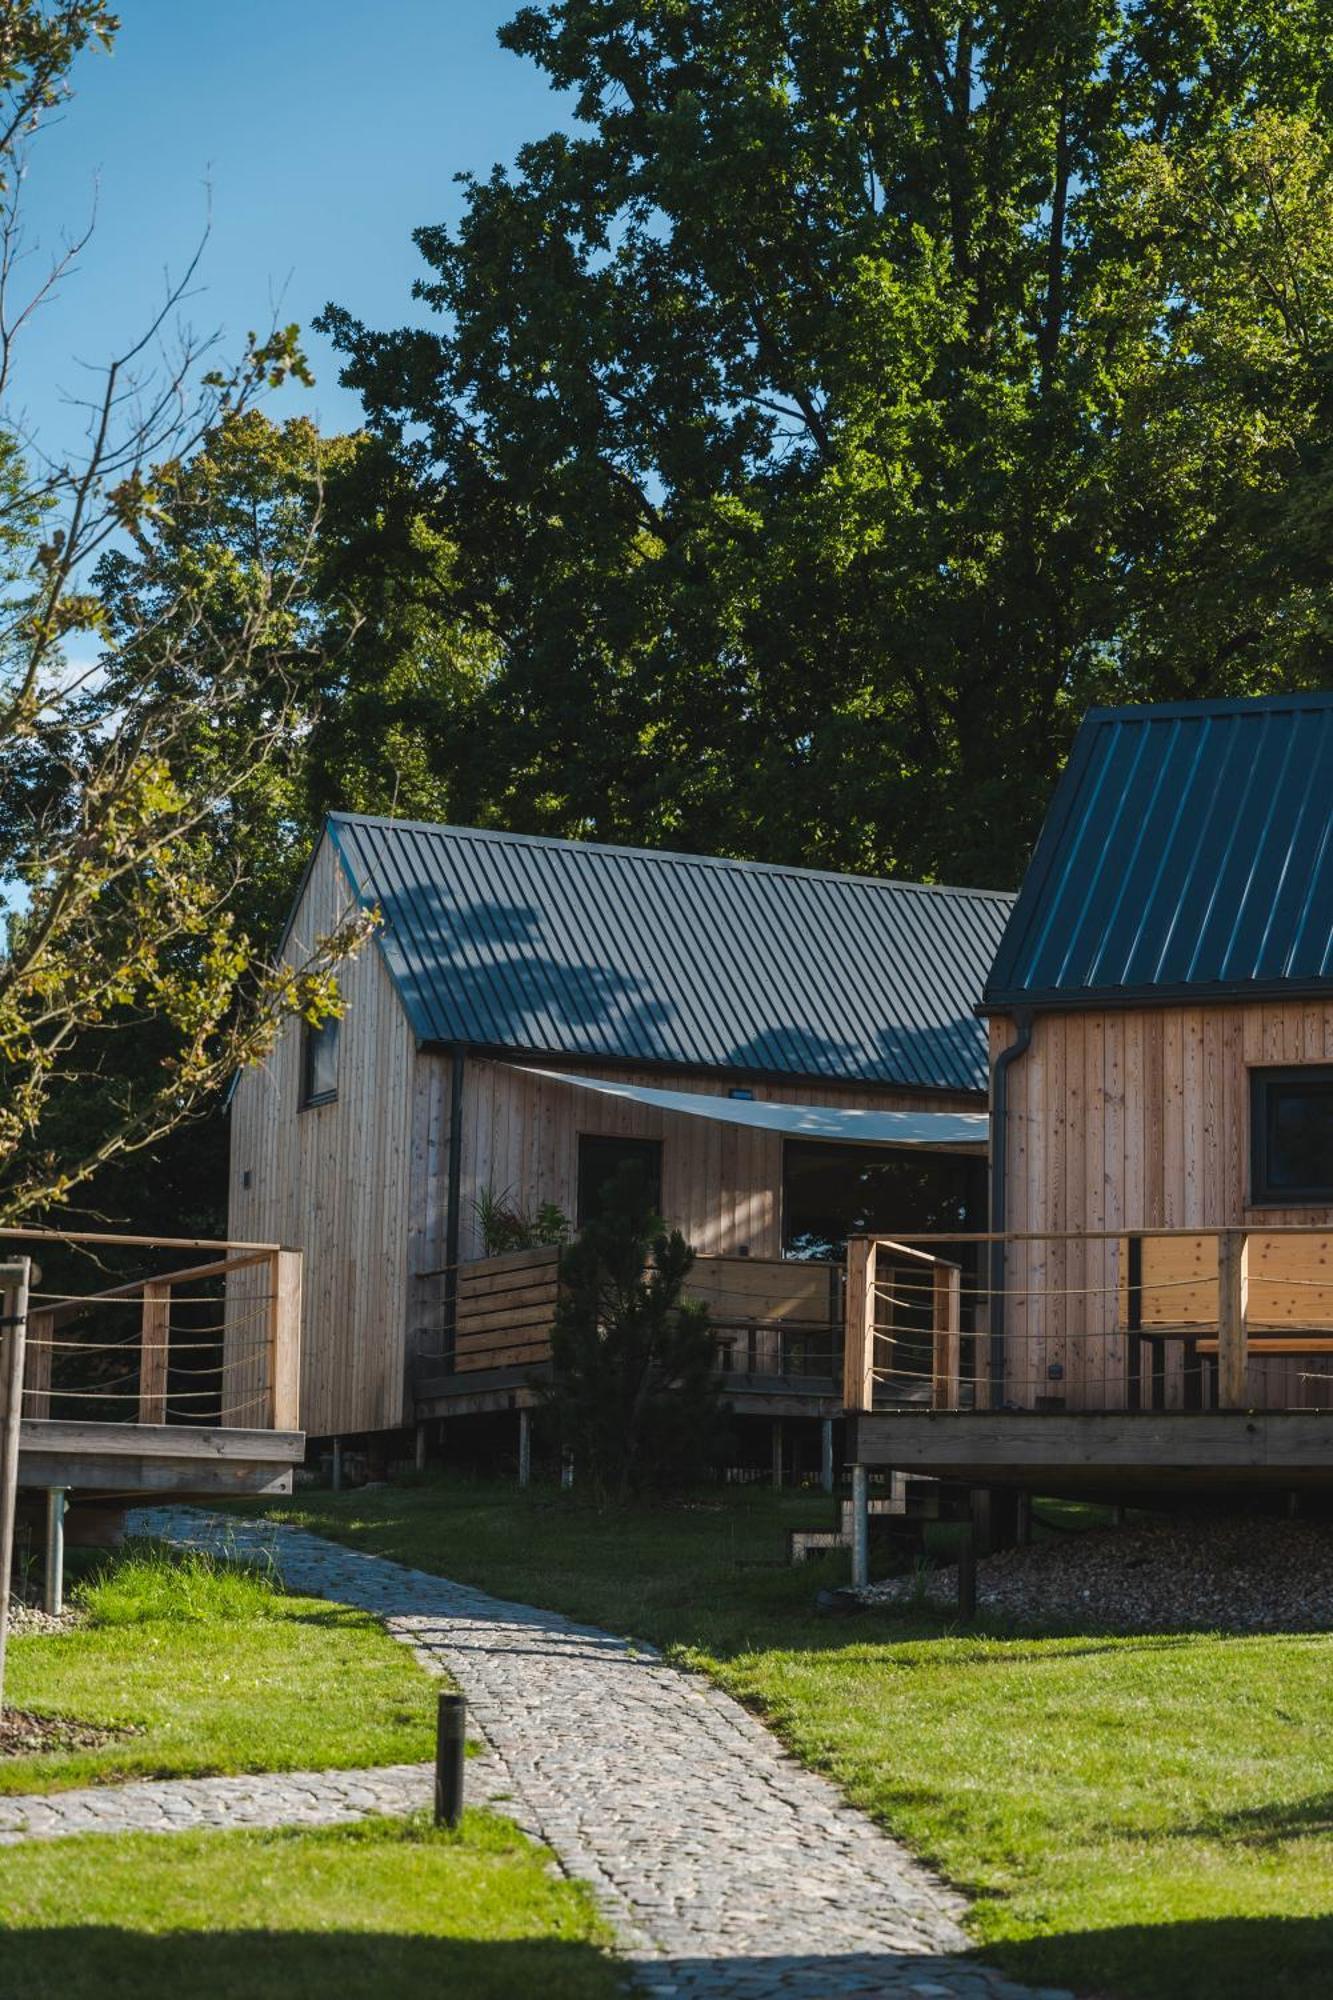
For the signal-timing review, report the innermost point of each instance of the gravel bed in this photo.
(28, 1619)
(1224, 1574)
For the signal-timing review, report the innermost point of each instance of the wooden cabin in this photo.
(789, 1055)
(1160, 1013)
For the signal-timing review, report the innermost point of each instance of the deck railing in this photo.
(1231, 1318)
(189, 1339)
(776, 1320)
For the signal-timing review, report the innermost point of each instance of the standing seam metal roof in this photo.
(1187, 853)
(563, 948)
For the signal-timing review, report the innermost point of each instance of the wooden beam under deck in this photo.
(1086, 1452)
(156, 1459)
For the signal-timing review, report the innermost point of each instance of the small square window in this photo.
(1291, 1136)
(319, 1062)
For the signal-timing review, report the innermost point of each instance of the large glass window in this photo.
(831, 1192)
(601, 1159)
(1291, 1136)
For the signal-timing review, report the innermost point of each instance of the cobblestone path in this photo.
(175, 1805)
(728, 1871)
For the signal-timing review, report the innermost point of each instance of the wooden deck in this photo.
(1199, 1359)
(181, 1379)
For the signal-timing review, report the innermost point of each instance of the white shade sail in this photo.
(946, 1131)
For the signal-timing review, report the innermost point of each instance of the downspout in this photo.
(999, 1132)
(453, 1213)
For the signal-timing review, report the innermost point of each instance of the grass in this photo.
(394, 1909)
(218, 1670)
(1140, 1817)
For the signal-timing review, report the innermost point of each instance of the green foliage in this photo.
(857, 394)
(148, 1584)
(506, 1227)
(634, 1394)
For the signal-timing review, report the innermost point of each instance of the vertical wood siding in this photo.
(333, 1180)
(1134, 1119)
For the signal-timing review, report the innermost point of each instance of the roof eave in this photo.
(1199, 993)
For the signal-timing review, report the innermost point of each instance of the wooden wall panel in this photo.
(1133, 1119)
(333, 1181)
(721, 1185)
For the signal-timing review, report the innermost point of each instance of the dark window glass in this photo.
(833, 1192)
(1291, 1135)
(601, 1159)
(319, 1062)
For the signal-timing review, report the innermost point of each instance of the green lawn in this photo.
(1139, 1817)
(221, 1671)
(384, 1908)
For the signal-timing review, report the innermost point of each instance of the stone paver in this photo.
(728, 1871)
(172, 1805)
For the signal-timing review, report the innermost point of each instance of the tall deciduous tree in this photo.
(124, 740)
(862, 388)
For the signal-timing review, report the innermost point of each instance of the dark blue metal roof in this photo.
(613, 954)
(1188, 853)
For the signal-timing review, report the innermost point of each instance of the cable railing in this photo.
(198, 1344)
(1152, 1320)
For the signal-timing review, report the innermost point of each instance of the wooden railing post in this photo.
(37, 1366)
(948, 1328)
(284, 1342)
(1233, 1287)
(14, 1312)
(858, 1354)
(154, 1336)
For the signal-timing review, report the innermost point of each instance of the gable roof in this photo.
(1188, 854)
(565, 949)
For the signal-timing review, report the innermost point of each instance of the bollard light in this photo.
(450, 1747)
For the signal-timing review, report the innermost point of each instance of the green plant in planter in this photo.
(505, 1227)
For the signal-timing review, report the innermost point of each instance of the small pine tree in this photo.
(633, 1389)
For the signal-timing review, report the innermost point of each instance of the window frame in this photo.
(1262, 1194)
(610, 1139)
(310, 1098)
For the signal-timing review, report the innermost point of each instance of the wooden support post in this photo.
(37, 1366)
(777, 1454)
(53, 1575)
(860, 1527)
(967, 1574)
(1233, 1285)
(858, 1364)
(525, 1448)
(1022, 1520)
(154, 1337)
(420, 1453)
(336, 1470)
(566, 1469)
(284, 1341)
(826, 1454)
(13, 1327)
(948, 1344)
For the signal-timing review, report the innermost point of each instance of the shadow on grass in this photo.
(101, 1962)
(1269, 1825)
(1217, 1958)
(1281, 1958)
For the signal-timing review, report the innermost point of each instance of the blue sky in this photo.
(326, 130)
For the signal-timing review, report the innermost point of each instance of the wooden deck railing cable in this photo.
(1241, 1323)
